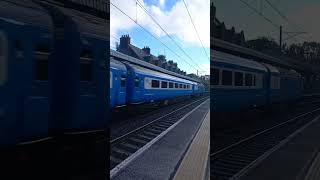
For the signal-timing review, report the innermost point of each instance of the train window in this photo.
(248, 79)
(188, 86)
(170, 85)
(155, 84)
(123, 81)
(238, 79)
(216, 76)
(86, 65)
(136, 82)
(254, 80)
(226, 78)
(41, 62)
(3, 58)
(184, 86)
(176, 85)
(164, 84)
(180, 86)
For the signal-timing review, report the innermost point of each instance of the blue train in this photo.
(132, 84)
(239, 84)
(53, 64)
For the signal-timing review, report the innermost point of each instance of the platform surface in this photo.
(161, 160)
(194, 164)
(297, 159)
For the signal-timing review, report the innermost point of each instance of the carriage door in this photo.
(138, 90)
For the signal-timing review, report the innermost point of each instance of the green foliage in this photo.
(308, 52)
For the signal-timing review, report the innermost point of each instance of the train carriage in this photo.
(146, 85)
(52, 76)
(91, 80)
(25, 80)
(237, 83)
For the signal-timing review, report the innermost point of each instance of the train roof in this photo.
(88, 24)
(272, 69)
(147, 65)
(235, 60)
(114, 64)
(24, 12)
(149, 72)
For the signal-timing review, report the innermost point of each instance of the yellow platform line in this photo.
(314, 171)
(194, 163)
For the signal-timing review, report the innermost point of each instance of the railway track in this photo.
(228, 162)
(133, 121)
(125, 147)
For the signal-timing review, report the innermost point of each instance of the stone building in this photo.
(144, 54)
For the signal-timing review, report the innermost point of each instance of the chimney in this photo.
(146, 50)
(124, 41)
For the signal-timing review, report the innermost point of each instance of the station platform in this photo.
(182, 153)
(297, 157)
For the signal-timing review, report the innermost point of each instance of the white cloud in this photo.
(206, 69)
(162, 3)
(175, 21)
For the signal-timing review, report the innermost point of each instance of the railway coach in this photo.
(133, 84)
(240, 83)
(52, 72)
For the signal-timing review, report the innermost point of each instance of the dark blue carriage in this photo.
(237, 83)
(52, 74)
(26, 43)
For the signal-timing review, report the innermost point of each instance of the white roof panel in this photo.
(235, 60)
(142, 70)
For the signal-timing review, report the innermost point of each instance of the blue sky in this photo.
(302, 13)
(173, 17)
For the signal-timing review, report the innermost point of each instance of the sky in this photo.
(303, 16)
(174, 19)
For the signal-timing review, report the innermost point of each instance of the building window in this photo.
(170, 85)
(86, 61)
(42, 53)
(238, 79)
(248, 79)
(123, 81)
(176, 85)
(155, 84)
(216, 76)
(226, 78)
(164, 84)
